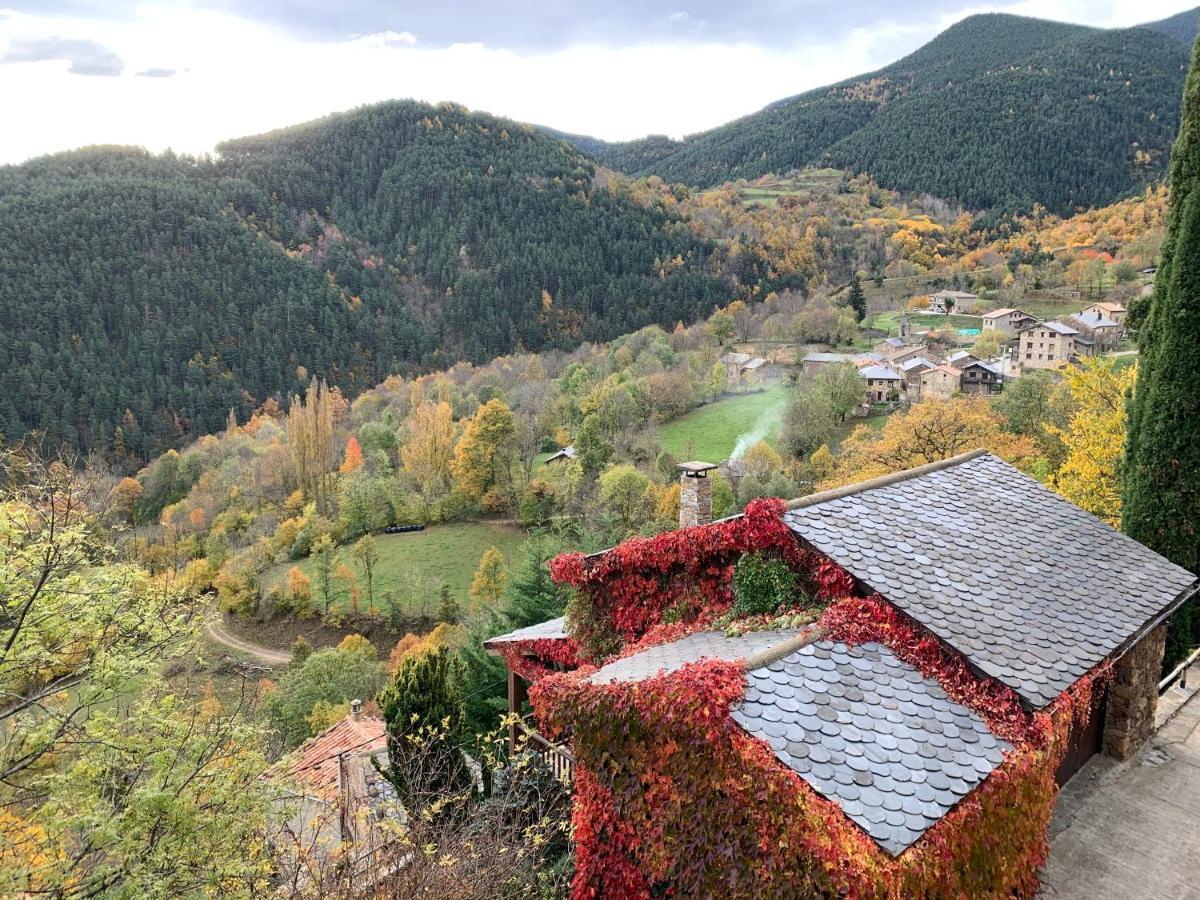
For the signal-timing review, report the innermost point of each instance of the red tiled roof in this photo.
(315, 762)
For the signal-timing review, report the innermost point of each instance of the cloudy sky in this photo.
(179, 74)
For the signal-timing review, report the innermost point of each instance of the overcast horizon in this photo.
(187, 75)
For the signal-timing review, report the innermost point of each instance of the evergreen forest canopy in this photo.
(142, 297)
(997, 111)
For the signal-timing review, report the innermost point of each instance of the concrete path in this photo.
(217, 632)
(1131, 830)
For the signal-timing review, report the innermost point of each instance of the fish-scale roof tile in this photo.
(896, 754)
(1029, 587)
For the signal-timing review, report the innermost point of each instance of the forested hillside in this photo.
(142, 297)
(997, 111)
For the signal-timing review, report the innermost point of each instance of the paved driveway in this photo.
(1131, 830)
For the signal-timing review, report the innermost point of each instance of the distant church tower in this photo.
(905, 327)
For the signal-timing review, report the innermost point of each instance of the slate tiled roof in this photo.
(871, 734)
(1030, 588)
(879, 373)
(551, 630)
(664, 658)
(1059, 327)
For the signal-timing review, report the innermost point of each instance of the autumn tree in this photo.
(1095, 437)
(483, 456)
(367, 555)
(1162, 459)
(429, 450)
(110, 783)
(324, 553)
(310, 442)
(842, 387)
(927, 432)
(352, 459)
(625, 497)
(487, 587)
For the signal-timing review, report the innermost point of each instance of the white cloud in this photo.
(235, 77)
(387, 39)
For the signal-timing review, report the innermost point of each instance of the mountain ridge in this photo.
(986, 68)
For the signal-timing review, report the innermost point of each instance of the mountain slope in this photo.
(998, 110)
(1181, 26)
(391, 239)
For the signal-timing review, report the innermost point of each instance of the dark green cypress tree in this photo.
(858, 299)
(423, 712)
(1161, 473)
(533, 595)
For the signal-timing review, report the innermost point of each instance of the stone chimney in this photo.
(695, 493)
(355, 709)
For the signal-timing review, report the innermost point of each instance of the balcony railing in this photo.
(1180, 672)
(556, 756)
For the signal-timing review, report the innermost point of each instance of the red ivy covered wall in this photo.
(673, 798)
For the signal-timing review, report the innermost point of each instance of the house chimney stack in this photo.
(695, 493)
(355, 708)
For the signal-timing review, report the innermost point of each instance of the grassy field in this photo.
(413, 566)
(807, 182)
(711, 432)
(1044, 309)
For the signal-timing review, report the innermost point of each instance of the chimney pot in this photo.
(355, 708)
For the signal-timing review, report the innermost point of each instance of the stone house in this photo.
(912, 370)
(1047, 345)
(1037, 613)
(1097, 333)
(883, 384)
(940, 383)
(890, 346)
(815, 361)
(1113, 311)
(1007, 320)
(947, 301)
(742, 367)
(980, 378)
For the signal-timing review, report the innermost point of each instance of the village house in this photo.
(883, 384)
(744, 368)
(1007, 320)
(1097, 333)
(961, 358)
(979, 377)
(341, 799)
(1047, 345)
(916, 725)
(912, 370)
(890, 346)
(940, 383)
(944, 302)
(1113, 311)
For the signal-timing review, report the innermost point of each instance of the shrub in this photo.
(762, 584)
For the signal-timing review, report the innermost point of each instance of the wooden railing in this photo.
(1180, 672)
(556, 756)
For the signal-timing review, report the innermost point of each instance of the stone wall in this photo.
(695, 501)
(1133, 696)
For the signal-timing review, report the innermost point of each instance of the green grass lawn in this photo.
(711, 432)
(413, 566)
(1044, 309)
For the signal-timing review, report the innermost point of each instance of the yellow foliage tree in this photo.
(487, 587)
(299, 587)
(1095, 437)
(928, 432)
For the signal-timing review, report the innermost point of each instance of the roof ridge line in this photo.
(773, 654)
(884, 480)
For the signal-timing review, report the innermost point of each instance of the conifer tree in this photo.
(1161, 474)
(858, 300)
(423, 712)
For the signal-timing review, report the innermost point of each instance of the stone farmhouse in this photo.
(960, 641)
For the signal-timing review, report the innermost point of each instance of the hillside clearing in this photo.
(413, 566)
(711, 432)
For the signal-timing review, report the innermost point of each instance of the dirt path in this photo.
(217, 632)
